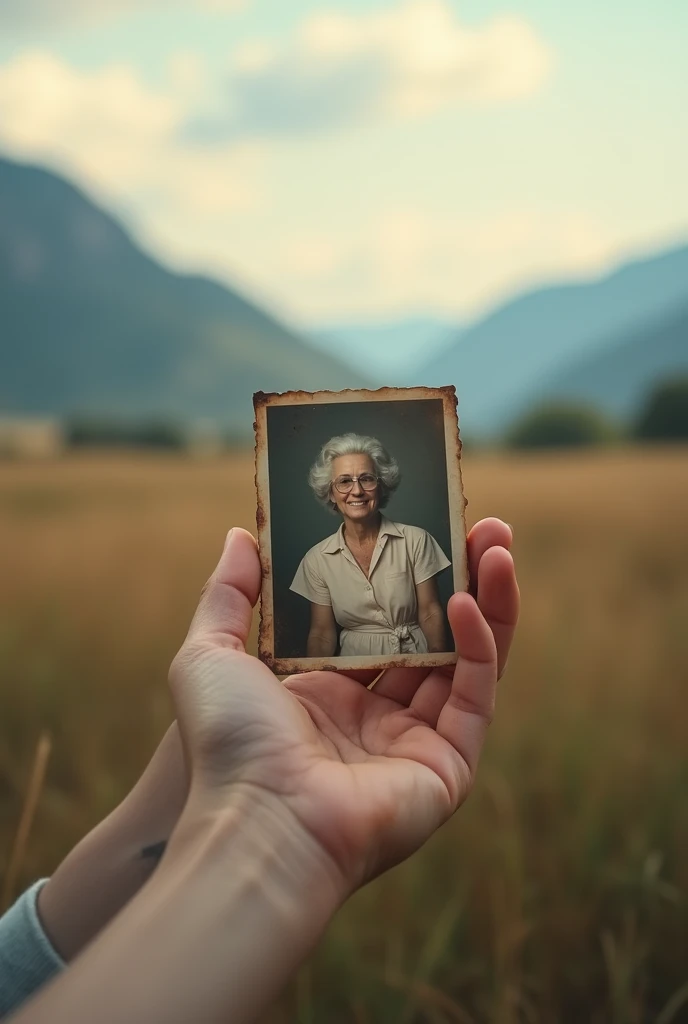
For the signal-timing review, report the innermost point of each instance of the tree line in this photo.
(663, 417)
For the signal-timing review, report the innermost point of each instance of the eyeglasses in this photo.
(344, 484)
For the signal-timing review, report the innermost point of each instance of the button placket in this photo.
(377, 554)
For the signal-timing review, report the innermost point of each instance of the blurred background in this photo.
(204, 198)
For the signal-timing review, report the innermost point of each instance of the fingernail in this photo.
(228, 538)
(511, 528)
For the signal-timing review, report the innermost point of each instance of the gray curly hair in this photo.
(386, 468)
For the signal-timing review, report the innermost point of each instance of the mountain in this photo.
(503, 363)
(392, 349)
(91, 324)
(619, 378)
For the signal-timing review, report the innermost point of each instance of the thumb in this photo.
(225, 609)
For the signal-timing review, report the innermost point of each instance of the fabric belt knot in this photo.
(402, 640)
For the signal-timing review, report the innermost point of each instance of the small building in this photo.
(24, 437)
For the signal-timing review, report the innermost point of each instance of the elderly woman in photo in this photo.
(373, 577)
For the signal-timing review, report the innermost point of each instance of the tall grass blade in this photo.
(33, 793)
(677, 1001)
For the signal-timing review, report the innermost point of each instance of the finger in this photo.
(496, 589)
(364, 675)
(499, 599)
(400, 684)
(226, 606)
(431, 696)
(488, 533)
(468, 711)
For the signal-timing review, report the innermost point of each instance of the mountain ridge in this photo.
(95, 325)
(619, 377)
(532, 336)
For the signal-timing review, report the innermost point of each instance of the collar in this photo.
(336, 542)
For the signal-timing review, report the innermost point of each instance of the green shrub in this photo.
(561, 426)
(665, 415)
(106, 432)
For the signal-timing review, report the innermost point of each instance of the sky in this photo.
(363, 160)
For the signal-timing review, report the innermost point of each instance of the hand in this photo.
(299, 793)
(366, 774)
(108, 867)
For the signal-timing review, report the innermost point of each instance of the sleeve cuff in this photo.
(27, 957)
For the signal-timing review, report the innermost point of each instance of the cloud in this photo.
(46, 106)
(411, 259)
(112, 132)
(209, 207)
(51, 13)
(405, 62)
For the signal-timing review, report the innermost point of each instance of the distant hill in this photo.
(392, 350)
(505, 361)
(90, 324)
(619, 378)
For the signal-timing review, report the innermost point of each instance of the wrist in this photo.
(109, 866)
(253, 892)
(240, 898)
(256, 829)
(96, 879)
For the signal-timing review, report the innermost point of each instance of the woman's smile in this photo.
(359, 503)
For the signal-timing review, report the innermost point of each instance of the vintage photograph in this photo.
(360, 526)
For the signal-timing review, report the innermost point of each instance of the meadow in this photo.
(559, 893)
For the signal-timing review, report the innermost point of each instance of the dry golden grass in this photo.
(559, 893)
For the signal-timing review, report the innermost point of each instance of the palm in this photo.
(369, 773)
(376, 762)
(355, 726)
(345, 759)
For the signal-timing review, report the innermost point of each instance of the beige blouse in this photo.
(378, 614)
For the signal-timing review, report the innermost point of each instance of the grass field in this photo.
(559, 893)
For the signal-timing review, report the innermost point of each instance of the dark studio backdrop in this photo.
(412, 431)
